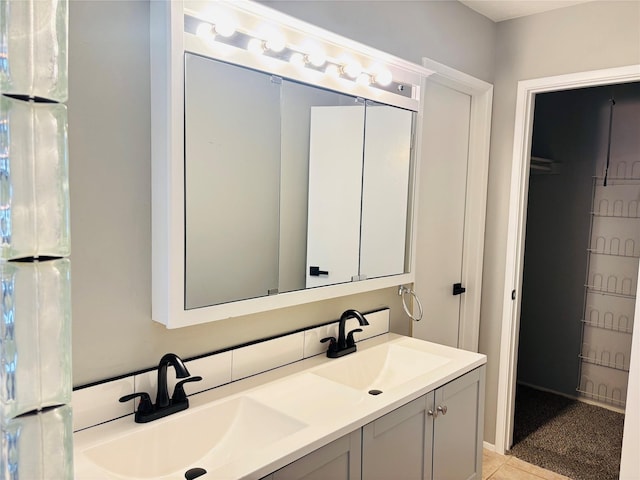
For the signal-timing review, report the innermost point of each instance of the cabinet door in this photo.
(336, 461)
(397, 444)
(457, 434)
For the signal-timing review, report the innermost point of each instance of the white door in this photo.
(441, 212)
(335, 192)
(385, 190)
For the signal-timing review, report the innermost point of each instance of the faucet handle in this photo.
(145, 405)
(333, 343)
(350, 340)
(179, 394)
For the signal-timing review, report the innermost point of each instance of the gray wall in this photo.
(110, 175)
(445, 31)
(591, 36)
(567, 129)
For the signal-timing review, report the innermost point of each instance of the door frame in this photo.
(481, 94)
(516, 230)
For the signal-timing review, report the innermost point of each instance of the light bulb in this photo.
(352, 69)
(256, 46)
(364, 79)
(332, 70)
(383, 77)
(297, 59)
(205, 31)
(275, 43)
(225, 27)
(317, 58)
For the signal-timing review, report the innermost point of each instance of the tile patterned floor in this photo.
(506, 467)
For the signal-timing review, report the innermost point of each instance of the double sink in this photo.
(255, 431)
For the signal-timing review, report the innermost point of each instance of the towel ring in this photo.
(401, 291)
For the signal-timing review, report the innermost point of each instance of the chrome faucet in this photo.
(346, 343)
(164, 405)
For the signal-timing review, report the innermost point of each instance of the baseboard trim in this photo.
(489, 446)
(547, 390)
(596, 403)
(579, 398)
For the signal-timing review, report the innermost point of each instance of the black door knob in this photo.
(316, 272)
(458, 289)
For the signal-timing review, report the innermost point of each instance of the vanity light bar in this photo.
(276, 47)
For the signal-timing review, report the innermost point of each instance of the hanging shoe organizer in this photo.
(610, 290)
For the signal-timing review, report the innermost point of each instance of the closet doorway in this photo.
(579, 281)
(526, 95)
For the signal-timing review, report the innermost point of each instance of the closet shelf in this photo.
(599, 291)
(623, 180)
(596, 252)
(611, 328)
(626, 217)
(602, 363)
(602, 398)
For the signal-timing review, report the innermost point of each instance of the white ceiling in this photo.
(499, 10)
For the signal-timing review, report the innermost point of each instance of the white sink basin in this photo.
(207, 437)
(312, 397)
(382, 367)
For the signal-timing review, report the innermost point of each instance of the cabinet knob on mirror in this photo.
(316, 272)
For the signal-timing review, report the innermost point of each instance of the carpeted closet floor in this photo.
(566, 436)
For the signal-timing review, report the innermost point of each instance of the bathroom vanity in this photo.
(396, 408)
(415, 440)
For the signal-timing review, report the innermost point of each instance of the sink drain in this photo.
(194, 473)
(375, 392)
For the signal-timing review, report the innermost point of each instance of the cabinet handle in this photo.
(442, 409)
(433, 414)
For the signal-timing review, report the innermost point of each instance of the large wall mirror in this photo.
(288, 186)
(275, 188)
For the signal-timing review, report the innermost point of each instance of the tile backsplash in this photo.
(263, 356)
(99, 403)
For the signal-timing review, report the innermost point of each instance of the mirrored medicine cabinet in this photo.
(272, 185)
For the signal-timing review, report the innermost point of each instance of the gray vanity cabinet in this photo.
(339, 460)
(396, 445)
(437, 436)
(457, 435)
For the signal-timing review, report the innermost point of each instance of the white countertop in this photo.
(325, 410)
